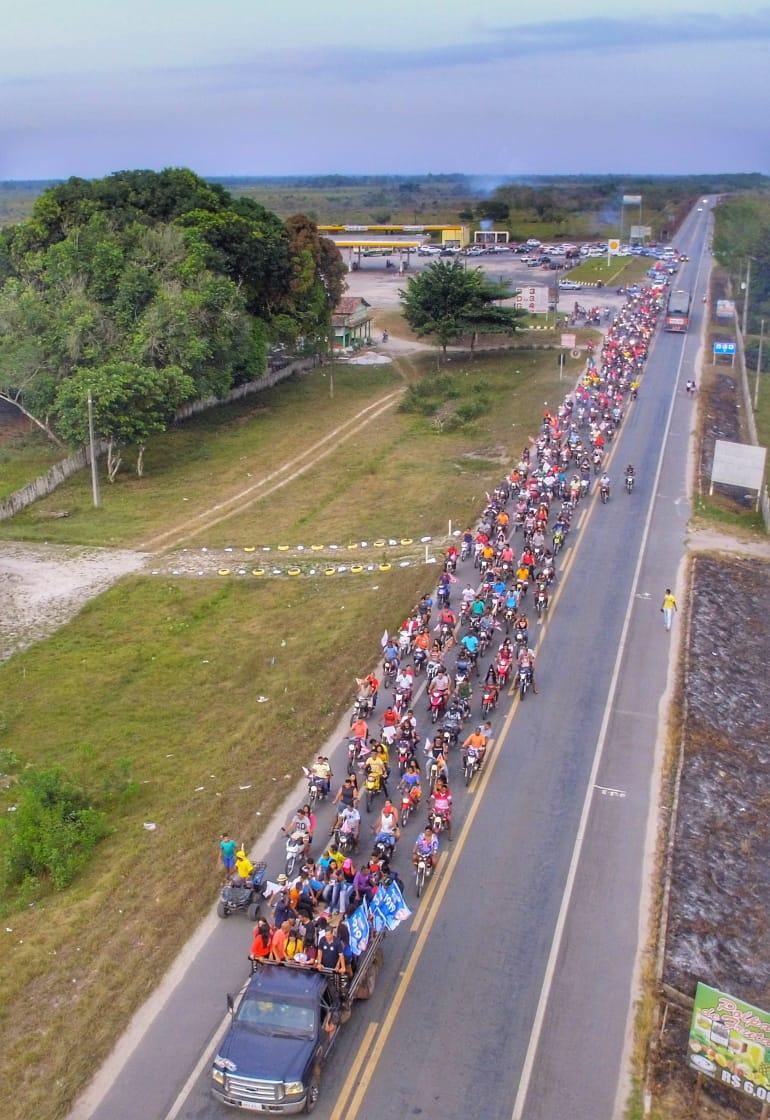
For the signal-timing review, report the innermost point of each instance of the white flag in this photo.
(384, 639)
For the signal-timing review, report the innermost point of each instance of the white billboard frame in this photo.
(738, 464)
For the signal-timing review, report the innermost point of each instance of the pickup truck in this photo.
(282, 1031)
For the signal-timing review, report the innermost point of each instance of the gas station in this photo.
(386, 241)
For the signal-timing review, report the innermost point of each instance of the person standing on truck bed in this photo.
(330, 953)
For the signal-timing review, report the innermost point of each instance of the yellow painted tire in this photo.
(224, 571)
(257, 571)
(330, 571)
(294, 572)
(406, 540)
(250, 548)
(316, 547)
(379, 544)
(283, 548)
(356, 568)
(385, 567)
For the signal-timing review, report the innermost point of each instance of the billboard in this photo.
(568, 341)
(638, 233)
(533, 299)
(738, 464)
(632, 200)
(730, 1042)
(725, 309)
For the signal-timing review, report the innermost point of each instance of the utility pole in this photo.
(759, 363)
(92, 445)
(746, 296)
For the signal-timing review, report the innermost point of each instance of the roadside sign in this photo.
(632, 200)
(738, 464)
(724, 349)
(568, 341)
(638, 233)
(533, 299)
(725, 309)
(613, 245)
(730, 1042)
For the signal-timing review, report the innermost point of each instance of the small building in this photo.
(352, 323)
(488, 237)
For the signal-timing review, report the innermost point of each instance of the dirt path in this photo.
(236, 503)
(712, 540)
(43, 586)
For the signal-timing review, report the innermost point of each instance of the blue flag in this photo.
(388, 908)
(358, 925)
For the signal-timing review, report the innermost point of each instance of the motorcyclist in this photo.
(441, 803)
(321, 774)
(412, 782)
(435, 753)
(478, 740)
(426, 847)
(526, 662)
(386, 829)
(349, 823)
(604, 483)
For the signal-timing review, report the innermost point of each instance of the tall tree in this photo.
(446, 300)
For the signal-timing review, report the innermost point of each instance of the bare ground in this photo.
(718, 928)
(43, 586)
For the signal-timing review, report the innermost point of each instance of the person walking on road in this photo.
(668, 607)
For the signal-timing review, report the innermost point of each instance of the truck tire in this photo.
(313, 1092)
(253, 911)
(221, 909)
(366, 988)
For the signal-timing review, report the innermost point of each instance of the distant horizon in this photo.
(499, 177)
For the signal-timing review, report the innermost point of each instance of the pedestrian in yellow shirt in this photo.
(668, 608)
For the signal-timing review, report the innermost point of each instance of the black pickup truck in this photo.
(282, 1031)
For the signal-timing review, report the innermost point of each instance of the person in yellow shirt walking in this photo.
(668, 607)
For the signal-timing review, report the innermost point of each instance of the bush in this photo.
(429, 394)
(53, 831)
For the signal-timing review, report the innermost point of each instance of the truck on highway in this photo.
(678, 311)
(283, 1029)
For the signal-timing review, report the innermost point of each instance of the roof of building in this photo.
(349, 304)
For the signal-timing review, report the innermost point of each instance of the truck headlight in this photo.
(218, 1076)
(294, 1088)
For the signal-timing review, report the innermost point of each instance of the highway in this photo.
(508, 996)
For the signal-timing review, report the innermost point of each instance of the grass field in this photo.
(357, 491)
(25, 453)
(164, 675)
(620, 271)
(190, 467)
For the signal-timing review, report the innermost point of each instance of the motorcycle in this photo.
(419, 658)
(316, 788)
(438, 820)
(362, 709)
(629, 483)
(372, 786)
(405, 753)
(389, 669)
(525, 679)
(407, 804)
(605, 494)
(488, 699)
(295, 853)
(423, 870)
(402, 700)
(541, 601)
(471, 764)
(465, 550)
(357, 751)
(436, 705)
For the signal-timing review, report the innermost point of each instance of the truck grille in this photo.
(246, 1089)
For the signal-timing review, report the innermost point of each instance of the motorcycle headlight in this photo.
(294, 1088)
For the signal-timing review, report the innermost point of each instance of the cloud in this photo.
(512, 43)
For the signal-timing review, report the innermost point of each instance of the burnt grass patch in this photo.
(718, 917)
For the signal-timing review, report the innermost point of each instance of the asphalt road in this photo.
(538, 905)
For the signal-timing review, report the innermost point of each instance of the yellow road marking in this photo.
(367, 1041)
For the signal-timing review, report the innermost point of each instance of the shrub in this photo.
(53, 831)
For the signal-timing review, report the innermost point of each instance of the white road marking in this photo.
(561, 921)
(608, 791)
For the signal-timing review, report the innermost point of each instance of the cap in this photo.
(282, 878)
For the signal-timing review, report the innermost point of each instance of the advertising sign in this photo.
(613, 245)
(534, 299)
(638, 233)
(568, 341)
(730, 1042)
(725, 309)
(738, 464)
(632, 200)
(724, 349)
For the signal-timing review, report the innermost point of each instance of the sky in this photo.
(257, 87)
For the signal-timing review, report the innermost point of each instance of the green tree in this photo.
(446, 300)
(130, 403)
(493, 208)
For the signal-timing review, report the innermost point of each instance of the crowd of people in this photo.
(469, 638)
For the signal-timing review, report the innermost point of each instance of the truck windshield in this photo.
(278, 1017)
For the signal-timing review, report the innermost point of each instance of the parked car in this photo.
(570, 285)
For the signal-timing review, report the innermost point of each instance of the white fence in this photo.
(60, 472)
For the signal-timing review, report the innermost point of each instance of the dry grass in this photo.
(165, 674)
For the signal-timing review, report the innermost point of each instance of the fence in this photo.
(60, 472)
(763, 502)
